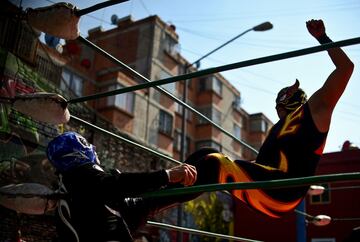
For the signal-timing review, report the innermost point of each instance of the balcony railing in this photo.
(18, 38)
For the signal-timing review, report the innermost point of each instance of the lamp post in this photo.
(261, 27)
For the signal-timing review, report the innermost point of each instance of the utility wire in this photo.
(144, 6)
(274, 14)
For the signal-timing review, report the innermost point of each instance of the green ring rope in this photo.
(271, 184)
(118, 62)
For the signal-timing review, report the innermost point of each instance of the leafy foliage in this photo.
(207, 212)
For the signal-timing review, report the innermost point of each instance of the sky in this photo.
(203, 25)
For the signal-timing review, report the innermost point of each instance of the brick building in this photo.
(150, 47)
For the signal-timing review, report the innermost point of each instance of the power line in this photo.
(144, 6)
(272, 14)
(267, 10)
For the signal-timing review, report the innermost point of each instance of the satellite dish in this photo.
(51, 41)
(114, 19)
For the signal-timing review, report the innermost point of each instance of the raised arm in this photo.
(323, 101)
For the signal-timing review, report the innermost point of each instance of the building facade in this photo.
(151, 47)
(340, 201)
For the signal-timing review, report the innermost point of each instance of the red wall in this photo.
(344, 203)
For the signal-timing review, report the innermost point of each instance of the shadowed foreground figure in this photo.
(105, 206)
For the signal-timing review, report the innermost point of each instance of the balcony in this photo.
(19, 38)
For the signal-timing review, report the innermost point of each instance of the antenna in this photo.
(114, 19)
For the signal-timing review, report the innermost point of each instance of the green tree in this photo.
(207, 212)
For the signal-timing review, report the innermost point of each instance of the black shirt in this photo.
(90, 189)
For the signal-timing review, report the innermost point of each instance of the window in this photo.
(179, 108)
(165, 122)
(216, 85)
(324, 198)
(177, 142)
(212, 114)
(170, 45)
(210, 83)
(237, 131)
(71, 82)
(259, 125)
(208, 143)
(170, 87)
(124, 101)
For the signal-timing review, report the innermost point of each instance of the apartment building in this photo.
(151, 47)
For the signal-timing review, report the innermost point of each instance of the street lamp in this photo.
(261, 27)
